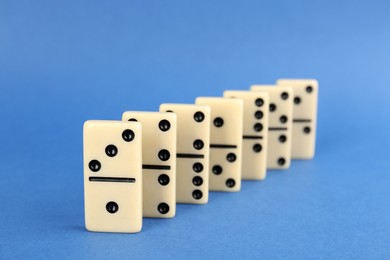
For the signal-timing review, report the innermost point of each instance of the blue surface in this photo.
(63, 62)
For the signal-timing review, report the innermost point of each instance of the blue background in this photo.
(64, 62)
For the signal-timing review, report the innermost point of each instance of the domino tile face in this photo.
(113, 176)
(225, 142)
(304, 116)
(159, 162)
(255, 133)
(192, 158)
(280, 125)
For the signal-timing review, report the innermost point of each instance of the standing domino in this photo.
(255, 128)
(159, 162)
(280, 124)
(113, 176)
(304, 116)
(225, 142)
(193, 145)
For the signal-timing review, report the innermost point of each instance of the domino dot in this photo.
(197, 194)
(258, 127)
(128, 135)
(283, 119)
(257, 148)
(112, 207)
(197, 181)
(230, 183)
(297, 100)
(217, 170)
(163, 208)
(259, 102)
(94, 165)
(169, 111)
(282, 138)
(198, 116)
(163, 179)
(231, 157)
(309, 89)
(198, 144)
(284, 95)
(164, 155)
(197, 167)
(132, 120)
(111, 150)
(272, 107)
(218, 122)
(164, 125)
(306, 130)
(259, 114)
(281, 161)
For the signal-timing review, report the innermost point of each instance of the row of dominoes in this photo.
(145, 164)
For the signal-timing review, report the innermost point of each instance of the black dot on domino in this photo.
(281, 161)
(163, 208)
(258, 127)
(272, 107)
(163, 179)
(282, 138)
(132, 120)
(217, 170)
(306, 130)
(198, 116)
(94, 165)
(297, 100)
(198, 144)
(169, 111)
(111, 150)
(197, 167)
(197, 194)
(284, 95)
(259, 114)
(309, 89)
(197, 181)
(128, 135)
(257, 148)
(164, 125)
(164, 155)
(230, 183)
(259, 102)
(231, 157)
(218, 122)
(112, 207)
(283, 119)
